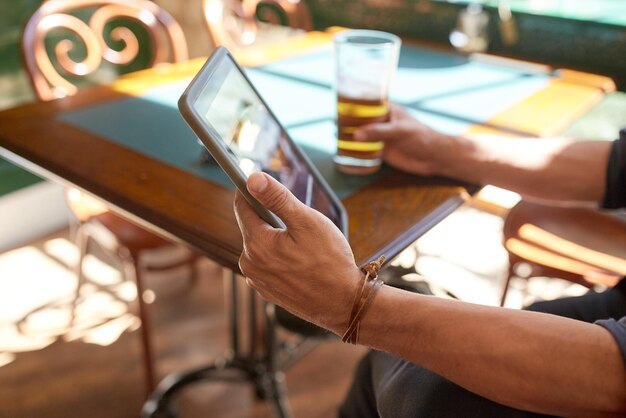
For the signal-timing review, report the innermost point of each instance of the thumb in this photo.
(275, 197)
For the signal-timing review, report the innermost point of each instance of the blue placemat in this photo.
(445, 91)
(151, 124)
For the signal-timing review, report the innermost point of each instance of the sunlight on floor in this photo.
(6, 358)
(463, 255)
(39, 305)
(40, 280)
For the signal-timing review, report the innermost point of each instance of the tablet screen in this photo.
(254, 138)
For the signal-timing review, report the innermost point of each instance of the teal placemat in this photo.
(151, 124)
(445, 91)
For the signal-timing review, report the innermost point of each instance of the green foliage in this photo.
(13, 178)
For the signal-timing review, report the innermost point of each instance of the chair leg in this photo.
(194, 271)
(82, 237)
(133, 269)
(505, 289)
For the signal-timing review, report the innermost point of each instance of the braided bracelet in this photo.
(363, 299)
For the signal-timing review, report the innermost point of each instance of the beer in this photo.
(358, 157)
(365, 61)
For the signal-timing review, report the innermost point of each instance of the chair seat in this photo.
(586, 246)
(552, 264)
(128, 234)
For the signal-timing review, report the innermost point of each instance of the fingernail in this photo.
(257, 183)
(359, 135)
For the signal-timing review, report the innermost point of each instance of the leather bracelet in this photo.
(363, 299)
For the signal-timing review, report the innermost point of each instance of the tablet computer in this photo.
(243, 135)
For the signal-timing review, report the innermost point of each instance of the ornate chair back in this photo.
(237, 23)
(98, 35)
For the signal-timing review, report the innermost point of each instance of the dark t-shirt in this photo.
(615, 197)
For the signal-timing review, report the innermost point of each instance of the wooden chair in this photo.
(237, 23)
(584, 246)
(105, 21)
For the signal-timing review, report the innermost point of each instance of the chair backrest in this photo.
(236, 23)
(56, 78)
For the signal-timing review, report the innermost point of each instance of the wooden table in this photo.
(384, 217)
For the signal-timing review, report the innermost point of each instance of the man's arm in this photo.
(522, 359)
(527, 360)
(557, 169)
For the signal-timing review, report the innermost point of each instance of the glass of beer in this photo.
(365, 61)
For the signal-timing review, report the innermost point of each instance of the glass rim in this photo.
(390, 40)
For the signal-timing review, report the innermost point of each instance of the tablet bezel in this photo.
(217, 148)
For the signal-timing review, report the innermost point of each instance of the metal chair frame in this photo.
(50, 81)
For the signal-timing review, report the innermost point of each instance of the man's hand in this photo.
(307, 268)
(546, 168)
(409, 145)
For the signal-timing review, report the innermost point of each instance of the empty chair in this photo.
(581, 245)
(109, 34)
(237, 23)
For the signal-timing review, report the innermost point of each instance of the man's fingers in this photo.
(247, 219)
(384, 131)
(276, 197)
(376, 132)
(245, 213)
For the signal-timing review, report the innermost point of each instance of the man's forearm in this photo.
(526, 360)
(555, 169)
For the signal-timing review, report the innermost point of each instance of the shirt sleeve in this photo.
(618, 329)
(615, 196)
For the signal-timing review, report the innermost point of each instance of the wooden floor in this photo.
(78, 379)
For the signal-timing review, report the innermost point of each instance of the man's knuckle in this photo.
(280, 200)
